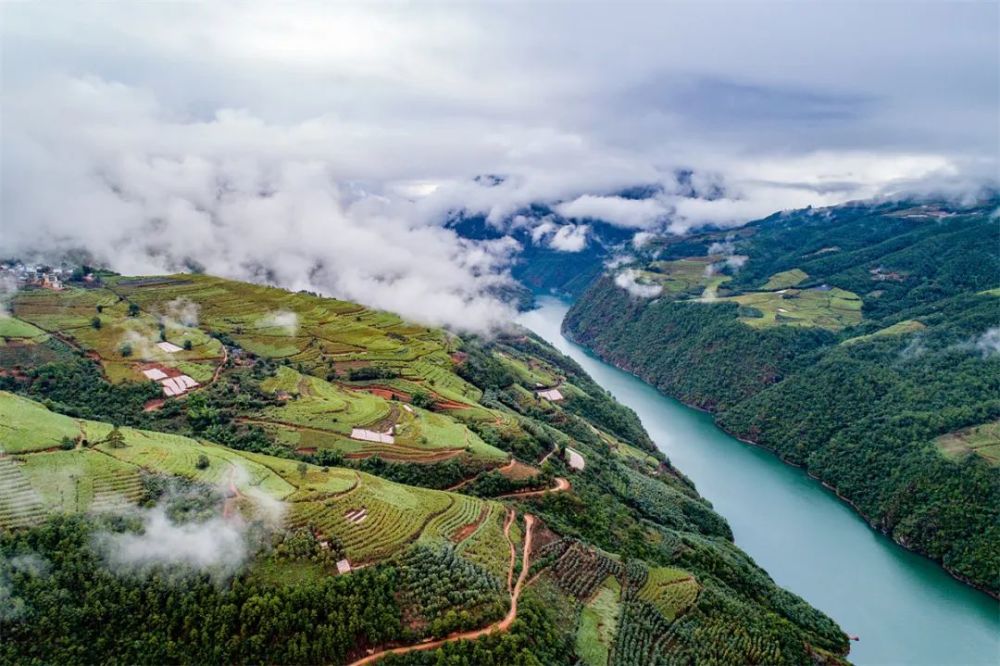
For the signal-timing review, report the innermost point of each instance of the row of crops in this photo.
(487, 546)
(581, 570)
(20, 505)
(447, 592)
(464, 511)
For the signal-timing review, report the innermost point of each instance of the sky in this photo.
(323, 147)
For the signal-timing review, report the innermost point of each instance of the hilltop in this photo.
(858, 341)
(315, 481)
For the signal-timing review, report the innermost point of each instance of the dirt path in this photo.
(462, 484)
(562, 485)
(502, 625)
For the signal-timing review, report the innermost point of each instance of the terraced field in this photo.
(785, 279)
(487, 546)
(37, 482)
(671, 591)
(831, 309)
(97, 320)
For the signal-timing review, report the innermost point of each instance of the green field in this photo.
(36, 483)
(12, 327)
(599, 623)
(982, 440)
(833, 309)
(320, 414)
(692, 275)
(899, 328)
(26, 425)
(785, 279)
(672, 591)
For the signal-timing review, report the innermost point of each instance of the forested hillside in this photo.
(862, 342)
(194, 469)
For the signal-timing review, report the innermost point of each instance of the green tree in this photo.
(116, 440)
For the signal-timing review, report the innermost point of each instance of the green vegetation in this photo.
(785, 279)
(270, 436)
(599, 624)
(982, 440)
(917, 361)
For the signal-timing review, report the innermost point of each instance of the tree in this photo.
(188, 345)
(133, 310)
(125, 350)
(422, 399)
(202, 461)
(116, 440)
(96, 323)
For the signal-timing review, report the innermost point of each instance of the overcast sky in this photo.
(322, 147)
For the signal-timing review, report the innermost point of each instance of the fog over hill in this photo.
(328, 149)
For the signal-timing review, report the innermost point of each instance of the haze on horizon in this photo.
(324, 147)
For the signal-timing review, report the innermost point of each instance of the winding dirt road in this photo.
(562, 485)
(502, 625)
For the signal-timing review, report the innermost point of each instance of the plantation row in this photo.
(20, 505)
(581, 570)
(487, 546)
(463, 511)
(449, 592)
(115, 491)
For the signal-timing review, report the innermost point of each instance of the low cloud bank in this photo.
(627, 280)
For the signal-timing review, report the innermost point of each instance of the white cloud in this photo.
(321, 147)
(621, 212)
(627, 280)
(988, 344)
(287, 322)
(216, 544)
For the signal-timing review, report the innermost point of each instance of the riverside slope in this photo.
(904, 608)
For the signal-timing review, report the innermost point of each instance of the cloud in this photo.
(285, 320)
(627, 280)
(621, 212)
(323, 147)
(988, 344)
(181, 312)
(216, 544)
(8, 286)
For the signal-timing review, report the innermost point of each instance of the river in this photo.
(904, 608)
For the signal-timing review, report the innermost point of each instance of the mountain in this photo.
(202, 470)
(859, 341)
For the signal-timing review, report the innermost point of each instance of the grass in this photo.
(671, 590)
(12, 327)
(833, 309)
(899, 328)
(599, 624)
(982, 440)
(26, 425)
(785, 279)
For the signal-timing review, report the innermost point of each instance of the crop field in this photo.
(322, 415)
(487, 546)
(26, 425)
(74, 481)
(581, 570)
(831, 309)
(458, 521)
(395, 516)
(785, 279)
(96, 320)
(680, 276)
(20, 505)
(599, 624)
(982, 440)
(899, 328)
(671, 591)
(12, 328)
(530, 373)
